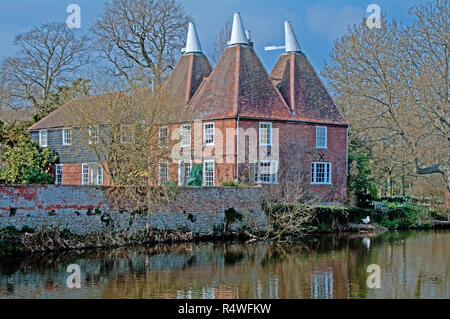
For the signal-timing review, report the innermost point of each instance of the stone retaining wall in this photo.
(197, 209)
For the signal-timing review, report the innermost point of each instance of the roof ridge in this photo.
(189, 77)
(238, 79)
(324, 87)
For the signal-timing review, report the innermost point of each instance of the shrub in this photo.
(406, 216)
(287, 220)
(231, 216)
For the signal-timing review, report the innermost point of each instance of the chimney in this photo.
(238, 32)
(249, 38)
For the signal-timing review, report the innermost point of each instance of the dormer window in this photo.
(321, 137)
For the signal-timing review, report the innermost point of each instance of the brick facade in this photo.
(236, 96)
(296, 152)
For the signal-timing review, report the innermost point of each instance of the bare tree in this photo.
(47, 58)
(141, 38)
(392, 84)
(121, 130)
(220, 43)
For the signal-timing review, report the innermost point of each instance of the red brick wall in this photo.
(224, 171)
(297, 151)
(72, 175)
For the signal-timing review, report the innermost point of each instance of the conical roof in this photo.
(192, 42)
(291, 42)
(189, 72)
(303, 90)
(239, 86)
(238, 35)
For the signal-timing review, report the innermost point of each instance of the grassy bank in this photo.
(292, 220)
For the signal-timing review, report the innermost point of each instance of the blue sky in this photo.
(317, 23)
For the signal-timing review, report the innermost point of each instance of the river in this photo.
(413, 264)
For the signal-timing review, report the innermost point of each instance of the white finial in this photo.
(291, 40)
(238, 32)
(192, 42)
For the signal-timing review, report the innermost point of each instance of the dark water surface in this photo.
(413, 265)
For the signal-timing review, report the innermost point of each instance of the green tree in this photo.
(12, 133)
(360, 178)
(26, 163)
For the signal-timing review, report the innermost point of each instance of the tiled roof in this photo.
(61, 116)
(238, 86)
(183, 82)
(303, 90)
(186, 77)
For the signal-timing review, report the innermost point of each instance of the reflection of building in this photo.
(322, 284)
(226, 292)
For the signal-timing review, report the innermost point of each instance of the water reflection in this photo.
(413, 265)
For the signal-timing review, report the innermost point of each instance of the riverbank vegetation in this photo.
(27, 240)
(285, 222)
(297, 220)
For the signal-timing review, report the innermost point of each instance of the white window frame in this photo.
(325, 145)
(261, 129)
(159, 173)
(99, 180)
(205, 182)
(87, 176)
(41, 138)
(84, 174)
(186, 128)
(328, 170)
(273, 172)
(64, 136)
(59, 171)
(166, 143)
(122, 135)
(180, 182)
(208, 135)
(93, 138)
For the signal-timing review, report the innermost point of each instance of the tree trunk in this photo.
(447, 193)
(390, 183)
(403, 185)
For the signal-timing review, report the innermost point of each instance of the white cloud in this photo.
(331, 21)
